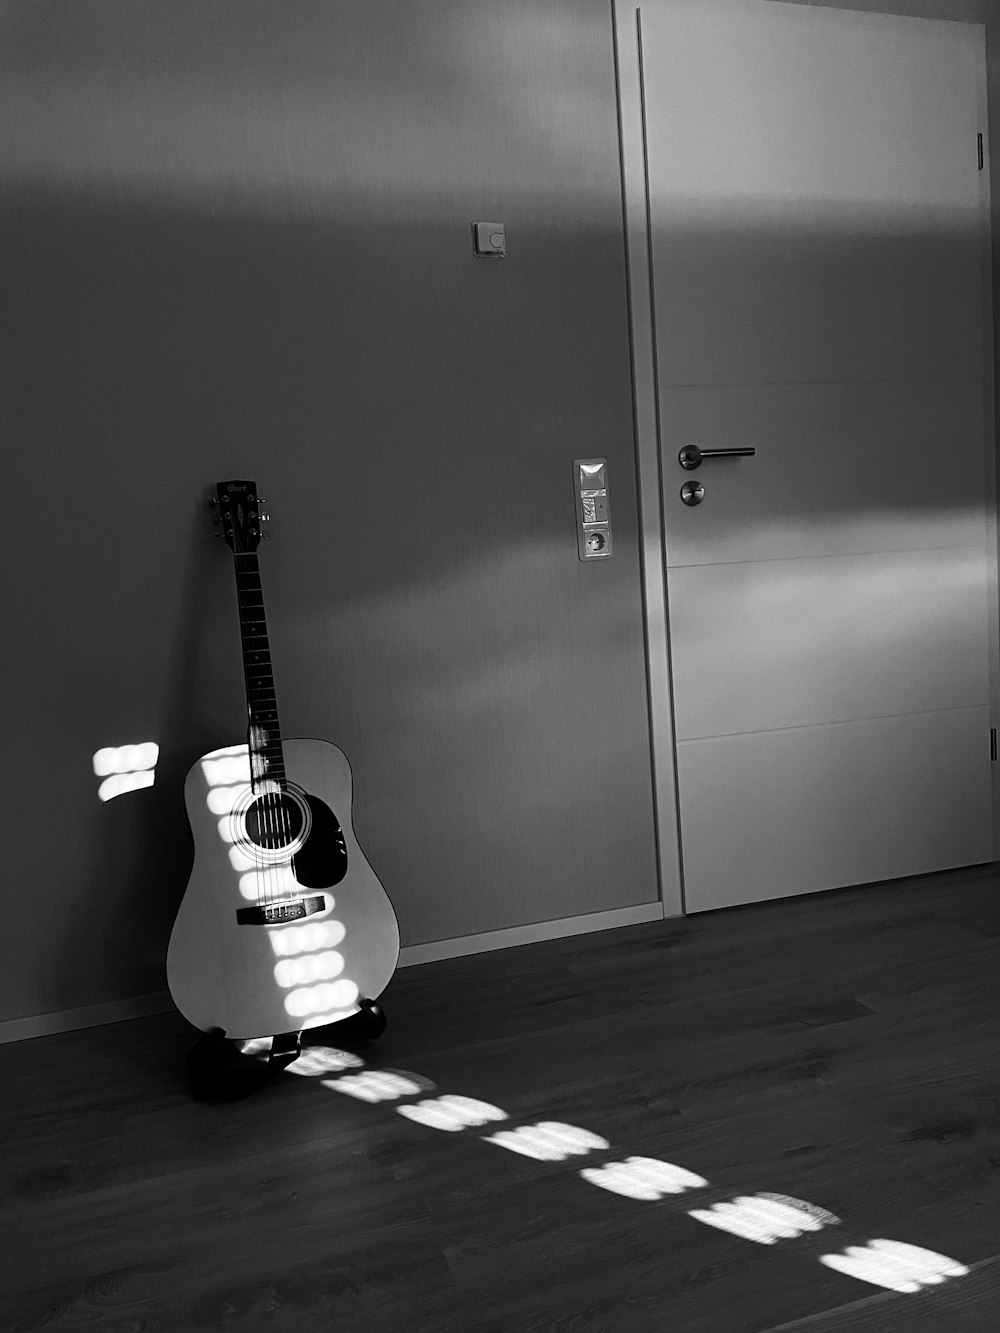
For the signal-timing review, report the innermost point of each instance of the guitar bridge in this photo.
(273, 914)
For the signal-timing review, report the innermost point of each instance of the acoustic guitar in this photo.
(284, 924)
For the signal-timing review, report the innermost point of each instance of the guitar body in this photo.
(240, 958)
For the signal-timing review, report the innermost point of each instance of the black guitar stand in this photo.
(218, 1070)
(367, 1024)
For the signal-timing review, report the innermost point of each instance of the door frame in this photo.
(627, 38)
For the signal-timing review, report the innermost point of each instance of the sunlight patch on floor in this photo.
(763, 1218)
(895, 1266)
(379, 1085)
(549, 1141)
(452, 1112)
(643, 1178)
(315, 1061)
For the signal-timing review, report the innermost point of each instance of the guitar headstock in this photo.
(239, 515)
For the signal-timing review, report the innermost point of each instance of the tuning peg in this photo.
(264, 518)
(212, 503)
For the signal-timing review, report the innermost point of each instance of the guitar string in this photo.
(281, 826)
(267, 826)
(272, 803)
(258, 803)
(273, 824)
(248, 669)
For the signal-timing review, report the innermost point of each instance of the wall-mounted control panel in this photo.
(593, 511)
(489, 239)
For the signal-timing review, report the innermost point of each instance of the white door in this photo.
(818, 275)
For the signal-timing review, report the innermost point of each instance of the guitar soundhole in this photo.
(274, 820)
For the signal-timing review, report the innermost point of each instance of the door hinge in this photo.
(979, 140)
(993, 744)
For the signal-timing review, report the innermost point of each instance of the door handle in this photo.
(691, 456)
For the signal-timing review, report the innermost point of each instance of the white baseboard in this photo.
(90, 1016)
(140, 1006)
(462, 945)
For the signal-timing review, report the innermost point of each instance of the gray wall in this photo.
(236, 243)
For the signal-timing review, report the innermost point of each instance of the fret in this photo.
(264, 735)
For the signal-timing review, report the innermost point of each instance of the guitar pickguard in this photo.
(322, 862)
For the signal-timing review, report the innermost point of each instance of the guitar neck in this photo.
(264, 733)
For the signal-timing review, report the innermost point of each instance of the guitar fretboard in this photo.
(266, 758)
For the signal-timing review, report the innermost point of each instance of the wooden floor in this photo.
(839, 1051)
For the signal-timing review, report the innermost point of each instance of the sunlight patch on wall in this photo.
(643, 1178)
(452, 1112)
(549, 1141)
(765, 1218)
(125, 768)
(894, 1265)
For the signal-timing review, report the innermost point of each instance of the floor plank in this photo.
(838, 1052)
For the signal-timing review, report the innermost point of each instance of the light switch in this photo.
(490, 239)
(593, 478)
